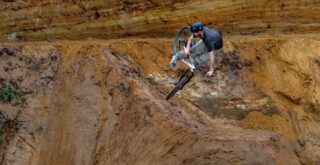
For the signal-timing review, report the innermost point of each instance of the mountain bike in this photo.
(198, 54)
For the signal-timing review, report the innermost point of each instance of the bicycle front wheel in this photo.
(179, 86)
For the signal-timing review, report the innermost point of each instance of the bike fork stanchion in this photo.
(191, 66)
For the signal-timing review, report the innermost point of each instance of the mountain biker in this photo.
(211, 38)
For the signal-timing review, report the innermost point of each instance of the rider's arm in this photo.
(211, 54)
(187, 50)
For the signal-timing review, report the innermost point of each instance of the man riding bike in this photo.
(212, 40)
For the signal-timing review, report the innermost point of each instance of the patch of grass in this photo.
(8, 95)
(121, 87)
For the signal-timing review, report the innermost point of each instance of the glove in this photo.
(173, 62)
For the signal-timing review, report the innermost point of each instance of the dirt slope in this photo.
(97, 103)
(102, 101)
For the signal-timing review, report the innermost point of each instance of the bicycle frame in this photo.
(198, 50)
(197, 56)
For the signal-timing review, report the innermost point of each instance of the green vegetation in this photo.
(14, 96)
(8, 95)
(121, 87)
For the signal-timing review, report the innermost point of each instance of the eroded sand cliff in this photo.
(47, 20)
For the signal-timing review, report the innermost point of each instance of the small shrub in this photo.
(6, 94)
(121, 87)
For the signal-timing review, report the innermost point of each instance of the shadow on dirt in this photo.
(236, 96)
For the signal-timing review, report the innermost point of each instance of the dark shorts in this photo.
(218, 45)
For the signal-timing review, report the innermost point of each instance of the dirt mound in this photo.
(99, 107)
(272, 86)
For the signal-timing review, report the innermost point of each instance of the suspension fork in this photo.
(191, 66)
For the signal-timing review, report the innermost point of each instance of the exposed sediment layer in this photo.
(46, 20)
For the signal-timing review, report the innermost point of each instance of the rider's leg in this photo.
(198, 48)
(200, 53)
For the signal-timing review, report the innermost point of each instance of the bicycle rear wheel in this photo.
(181, 39)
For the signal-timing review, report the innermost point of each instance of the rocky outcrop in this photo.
(47, 20)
